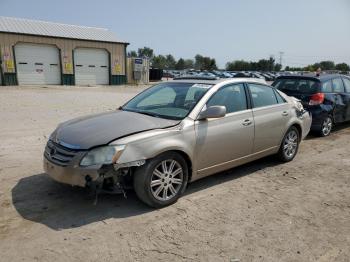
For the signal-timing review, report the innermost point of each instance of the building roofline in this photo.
(31, 27)
(68, 38)
(57, 23)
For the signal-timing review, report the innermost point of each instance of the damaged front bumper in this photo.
(76, 175)
(71, 175)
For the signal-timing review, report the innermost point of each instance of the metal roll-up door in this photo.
(91, 66)
(37, 64)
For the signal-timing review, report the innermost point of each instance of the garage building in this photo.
(45, 53)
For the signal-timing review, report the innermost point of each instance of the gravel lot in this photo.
(263, 211)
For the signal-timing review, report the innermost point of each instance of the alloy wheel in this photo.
(290, 144)
(166, 180)
(327, 126)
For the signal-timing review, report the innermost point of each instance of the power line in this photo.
(318, 56)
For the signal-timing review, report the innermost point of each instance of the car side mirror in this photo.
(212, 112)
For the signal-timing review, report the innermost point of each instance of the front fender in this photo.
(153, 143)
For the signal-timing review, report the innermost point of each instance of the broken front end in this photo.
(95, 169)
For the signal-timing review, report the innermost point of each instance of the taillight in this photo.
(316, 99)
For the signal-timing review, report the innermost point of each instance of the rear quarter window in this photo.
(327, 87)
(347, 84)
(338, 85)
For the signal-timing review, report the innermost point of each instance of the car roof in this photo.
(218, 81)
(322, 77)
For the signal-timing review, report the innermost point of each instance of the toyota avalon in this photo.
(175, 133)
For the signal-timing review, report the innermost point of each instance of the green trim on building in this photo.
(10, 79)
(1, 76)
(68, 80)
(126, 62)
(118, 79)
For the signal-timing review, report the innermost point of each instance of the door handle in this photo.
(284, 113)
(247, 122)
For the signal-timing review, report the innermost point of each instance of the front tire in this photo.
(162, 180)
(290, 145)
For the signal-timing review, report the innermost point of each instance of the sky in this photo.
(306, 31)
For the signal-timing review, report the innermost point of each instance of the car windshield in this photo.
(304, 86)
(168, 100)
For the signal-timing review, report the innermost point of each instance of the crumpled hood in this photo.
(101, 129)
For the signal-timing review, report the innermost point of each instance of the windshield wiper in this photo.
(147, 113)
(151, 114)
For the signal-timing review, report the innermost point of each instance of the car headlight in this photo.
(102, 155)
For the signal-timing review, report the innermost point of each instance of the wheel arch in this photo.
(188, 160)
(299, 128)
(184, 155)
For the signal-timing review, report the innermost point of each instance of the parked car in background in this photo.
(327, 97)
(242, 74)
(207, 74)
(174, 133)
(256, 75)
(267, 76)
(227, 75)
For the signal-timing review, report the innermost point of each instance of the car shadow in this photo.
(40, 199)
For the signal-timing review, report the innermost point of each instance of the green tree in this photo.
(342, 67)
(132, 54)
(198, 62)
(204, 63)
(327, 65)
(277, 67)
(145, 52)
(212, 64)
(238, 65)
(271, 64)
(189, 64)
(180, 65)
(263, 65)
(310, 68)
(159, 62)
(170, 62)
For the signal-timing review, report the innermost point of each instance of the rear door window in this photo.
(293, 85)
(347, 84)
(262, 95)
(327, 87)
(338, 86)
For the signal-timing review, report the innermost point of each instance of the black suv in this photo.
(327, 97)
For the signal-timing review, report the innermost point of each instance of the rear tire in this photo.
(326, 127)
(290, 145)
(162, 180)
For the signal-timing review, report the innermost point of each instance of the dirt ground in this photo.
(263, 211)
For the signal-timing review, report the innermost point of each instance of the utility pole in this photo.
(281, 56)
(271, 65)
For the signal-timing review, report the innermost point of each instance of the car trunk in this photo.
(304, 98)
(298, 87)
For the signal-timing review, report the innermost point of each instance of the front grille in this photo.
(59, 154)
